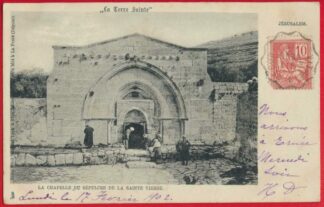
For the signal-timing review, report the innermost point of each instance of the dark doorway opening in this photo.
(136, 138)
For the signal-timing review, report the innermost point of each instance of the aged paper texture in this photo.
(161, 103)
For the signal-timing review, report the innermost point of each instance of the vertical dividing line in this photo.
(108, 131)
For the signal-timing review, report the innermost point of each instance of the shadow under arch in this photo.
(138, 120)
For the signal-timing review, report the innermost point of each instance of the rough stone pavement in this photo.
(214, 171)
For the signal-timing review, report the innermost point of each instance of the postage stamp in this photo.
(291, 61)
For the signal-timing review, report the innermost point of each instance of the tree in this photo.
(28, 84)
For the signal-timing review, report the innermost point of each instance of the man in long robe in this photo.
(88, 138)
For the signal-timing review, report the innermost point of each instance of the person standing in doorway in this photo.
(183, 147)
(126, 137)
(88, 138)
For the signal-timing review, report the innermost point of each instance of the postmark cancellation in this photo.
(290, 61)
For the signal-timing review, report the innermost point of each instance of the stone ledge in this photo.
(111, 156)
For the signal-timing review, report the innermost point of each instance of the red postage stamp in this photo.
(290, 61)
(291, 64)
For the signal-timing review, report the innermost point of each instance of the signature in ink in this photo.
(271, 189)
(290, 187)
(268, 190)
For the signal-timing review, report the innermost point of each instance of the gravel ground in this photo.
(117, 174)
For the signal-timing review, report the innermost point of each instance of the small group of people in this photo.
(154, 146)
(182, 147)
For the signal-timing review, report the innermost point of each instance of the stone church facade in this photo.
(140, 82)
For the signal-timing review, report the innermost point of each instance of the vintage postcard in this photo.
(161, 103)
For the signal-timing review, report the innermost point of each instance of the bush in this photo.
(28, 84)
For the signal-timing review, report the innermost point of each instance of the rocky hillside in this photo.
(233, 59)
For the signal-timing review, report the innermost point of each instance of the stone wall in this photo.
(247, 125)
(42, 156)
(213, 120)
(225, 109)
(111, 155)
(28, 121)
(56, 157)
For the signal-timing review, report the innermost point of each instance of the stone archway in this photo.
(142, 85)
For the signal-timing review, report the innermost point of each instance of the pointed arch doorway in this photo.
(153, 92)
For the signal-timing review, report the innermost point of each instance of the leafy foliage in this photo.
(28, 84)
(220, 73)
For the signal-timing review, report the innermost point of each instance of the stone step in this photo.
(135, 158)
(141, 164)
(137, 153)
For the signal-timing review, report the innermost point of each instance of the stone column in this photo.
(161, 129)
(183, 127)
(108, 131)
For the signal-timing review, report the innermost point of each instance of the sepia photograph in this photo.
(134, 99)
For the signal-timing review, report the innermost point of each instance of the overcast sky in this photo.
(37, 32)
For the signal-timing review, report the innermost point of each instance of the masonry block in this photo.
(30, 160)
(41, 160)
(51, 160)
(68, 159)
(20, 161)
(77, 158)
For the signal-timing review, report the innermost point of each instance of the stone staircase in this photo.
(139, 159)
